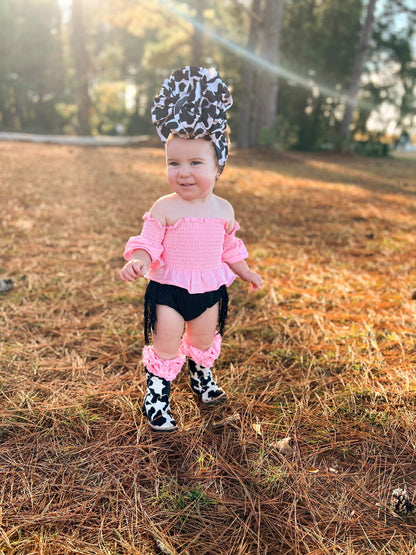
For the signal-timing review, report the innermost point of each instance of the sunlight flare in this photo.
(276, 69)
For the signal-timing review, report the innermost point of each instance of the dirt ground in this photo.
(324, 354)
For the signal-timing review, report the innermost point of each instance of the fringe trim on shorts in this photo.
(150, 317)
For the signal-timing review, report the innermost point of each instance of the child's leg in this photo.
(200, 333)
(163, 363)
(202, 345)
(168, 333)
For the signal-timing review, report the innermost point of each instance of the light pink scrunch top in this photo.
(193, 253)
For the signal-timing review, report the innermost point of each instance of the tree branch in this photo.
(403, 6)
(250, 13)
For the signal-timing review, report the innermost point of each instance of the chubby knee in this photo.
(201, 343)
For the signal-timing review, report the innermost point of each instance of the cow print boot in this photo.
(199, 364)
(159, 375)
(156, 404)
(203, 384)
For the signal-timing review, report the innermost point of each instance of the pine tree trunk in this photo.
(197, 39)
(359, 61)
(265, 100)
(244, 120)
(81, 68)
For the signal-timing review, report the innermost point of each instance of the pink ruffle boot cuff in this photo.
(204, 358)
(167, 369)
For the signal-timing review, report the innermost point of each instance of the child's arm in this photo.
(242, 269)
(235, 253)
(136, 267)
(143, 249)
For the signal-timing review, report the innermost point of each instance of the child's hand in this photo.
(133, 269)
(242, 269)
(255, 280)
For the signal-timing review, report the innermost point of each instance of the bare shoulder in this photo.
(226, 211)
(161, 208)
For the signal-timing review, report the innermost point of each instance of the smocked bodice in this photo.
(194, 244)
(193, 253)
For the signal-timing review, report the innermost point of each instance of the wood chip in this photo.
(230, 420)
(284, 447)
(312, 469)
(257, 429)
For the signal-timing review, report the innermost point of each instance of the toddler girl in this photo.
(188, 248)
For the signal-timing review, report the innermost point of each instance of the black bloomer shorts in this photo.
(188, 305)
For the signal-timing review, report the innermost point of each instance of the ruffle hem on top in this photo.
(192, 253)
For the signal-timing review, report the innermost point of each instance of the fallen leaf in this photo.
(284, 447)
(312, 469)
(257, 429)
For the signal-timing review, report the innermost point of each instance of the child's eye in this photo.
(173, 164)
(195, 163)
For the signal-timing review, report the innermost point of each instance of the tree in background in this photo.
(32, 72)
(197, 39)
(266, 84)
(244, 139)
(389, 84)
(129, 46)
(360, 59)
(81, 64)
(158, 41)
(318, 43)
(258, 105)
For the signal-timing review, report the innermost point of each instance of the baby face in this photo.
(192, 167)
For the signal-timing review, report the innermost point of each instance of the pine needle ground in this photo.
(324, 354)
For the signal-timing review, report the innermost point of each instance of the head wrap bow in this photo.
(192, 103)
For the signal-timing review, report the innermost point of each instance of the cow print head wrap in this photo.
(192, 103)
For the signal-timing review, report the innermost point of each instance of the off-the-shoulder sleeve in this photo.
(234, 248)
(150, 239)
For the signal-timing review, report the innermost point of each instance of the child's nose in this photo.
(184, 170)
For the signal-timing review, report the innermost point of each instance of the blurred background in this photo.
(304, 74)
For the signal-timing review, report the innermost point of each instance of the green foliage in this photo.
(175, 497)
(372, 147)
(31, 65)
(137, 44)
(266, 137)
(391, 72)
(109, 107)
(318, 41)
(194, 498)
